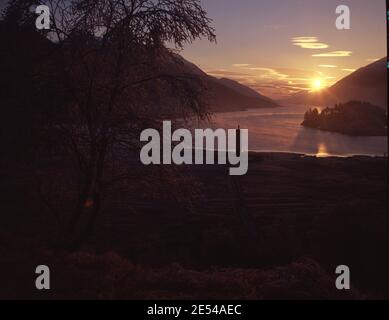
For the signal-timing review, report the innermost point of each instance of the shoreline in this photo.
(290, 154)
(307, 155)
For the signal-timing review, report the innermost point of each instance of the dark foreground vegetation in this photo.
(353, 118)
(194, 232)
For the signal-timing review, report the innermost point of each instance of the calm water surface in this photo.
(280, 130)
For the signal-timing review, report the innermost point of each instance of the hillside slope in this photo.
(226, 94)
(367, 84)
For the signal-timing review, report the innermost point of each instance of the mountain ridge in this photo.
(368, 84)
(227, 94)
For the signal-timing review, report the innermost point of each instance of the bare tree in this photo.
(114, 70)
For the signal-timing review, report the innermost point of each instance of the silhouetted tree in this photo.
(109, 65)
(353, 118)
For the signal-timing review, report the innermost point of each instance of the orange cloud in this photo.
(309, 43)
(334, 54)
(327, 66)
(241, 65)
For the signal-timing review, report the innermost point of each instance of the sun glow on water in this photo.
(322, 152)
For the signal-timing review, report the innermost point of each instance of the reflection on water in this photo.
(280, 130)
(322, 151)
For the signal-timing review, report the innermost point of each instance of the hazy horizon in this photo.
(282, 47)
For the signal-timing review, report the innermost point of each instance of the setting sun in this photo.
(317, 84)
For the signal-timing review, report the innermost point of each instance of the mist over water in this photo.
(280, 130)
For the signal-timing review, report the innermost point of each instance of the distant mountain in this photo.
(242, 89)
(226, 94)
(227, 98)
(367, 84)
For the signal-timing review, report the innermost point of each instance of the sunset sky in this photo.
(282, 46)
